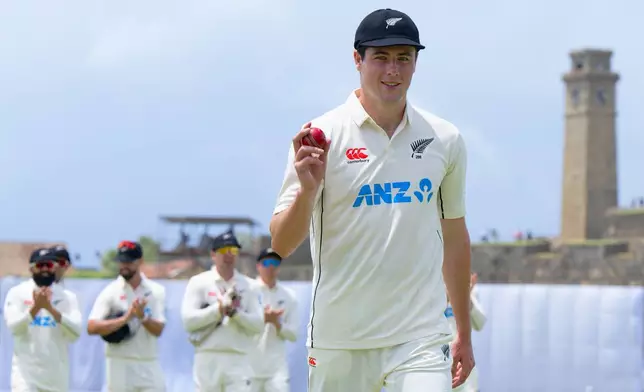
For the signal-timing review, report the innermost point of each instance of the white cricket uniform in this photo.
(377, 249)
(270, 364)
(221, 358)
(477, 319)
(133, 365)
(40, 345)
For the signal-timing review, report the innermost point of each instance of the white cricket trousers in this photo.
(19, 384)
(131, 375)
(22, 383)
(418, 366)
(471, 384)
(278, 381)
(221, 372)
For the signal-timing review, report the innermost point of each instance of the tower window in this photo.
(601, 97)
(574, 96)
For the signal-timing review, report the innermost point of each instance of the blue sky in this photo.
(112, 113)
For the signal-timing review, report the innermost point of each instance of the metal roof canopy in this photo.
(210, 220)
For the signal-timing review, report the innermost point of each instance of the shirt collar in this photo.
(55, 287)
(219, 278)
(360, 116)
(263, 284)
(144, 280)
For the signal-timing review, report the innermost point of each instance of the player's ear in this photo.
(357, 59)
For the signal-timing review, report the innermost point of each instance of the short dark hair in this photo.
(362, 50)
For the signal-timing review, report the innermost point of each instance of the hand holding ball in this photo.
(311, 147)
(315, 138)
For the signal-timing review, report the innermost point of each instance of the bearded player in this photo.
(129, 314)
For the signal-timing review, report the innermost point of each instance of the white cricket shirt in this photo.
(40, 344)
(118, 296)
(270, 355)
(375, 231)
(235, 334)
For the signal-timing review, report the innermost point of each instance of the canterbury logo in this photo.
(418, 147)
(356, 153)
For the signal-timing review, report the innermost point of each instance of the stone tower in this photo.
(590, 156)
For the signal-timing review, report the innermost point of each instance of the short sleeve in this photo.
(158, 310)
(451, 195)
(101, 307)
(291, 185)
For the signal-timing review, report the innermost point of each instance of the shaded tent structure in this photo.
(198, 252)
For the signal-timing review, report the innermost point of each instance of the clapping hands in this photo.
(230, 302)
(272, 316)
(42, 298)
(137, 309)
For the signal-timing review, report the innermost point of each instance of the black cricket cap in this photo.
(387, 27)
(42, 254)
(128, 251)
(268, 252)
(61, 253)
(224, 240)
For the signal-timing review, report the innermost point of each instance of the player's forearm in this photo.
(287, 331)
(253, 323)
(290, 227)
(71, 323)
(456, 273)
(18, 322)
(105, 327)
(153, 326)
(196, 319)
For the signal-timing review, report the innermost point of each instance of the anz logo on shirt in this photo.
(449, 312)
(394, 193)
(44, 321)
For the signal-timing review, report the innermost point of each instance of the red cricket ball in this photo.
(315, 138)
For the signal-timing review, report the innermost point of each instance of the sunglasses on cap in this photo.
(45, 265)
(228, 250)
(63, 263)
(268, 262)
(126, 245)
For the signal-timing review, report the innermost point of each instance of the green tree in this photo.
(150, 255)
(150, 249)
(108, 262)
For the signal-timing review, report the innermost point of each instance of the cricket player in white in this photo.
(222, 313)
(384, 203)
(43, 319)
(132, 364)
(270, 365)
(478, 319)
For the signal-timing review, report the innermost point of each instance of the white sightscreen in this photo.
(538, 338)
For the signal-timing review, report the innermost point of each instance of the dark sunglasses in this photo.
(127, 245)
(269, 262)
(63, 262)
(45, 265)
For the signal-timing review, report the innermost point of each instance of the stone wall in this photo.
(612, 262)
(602, 262)
(625, 223)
